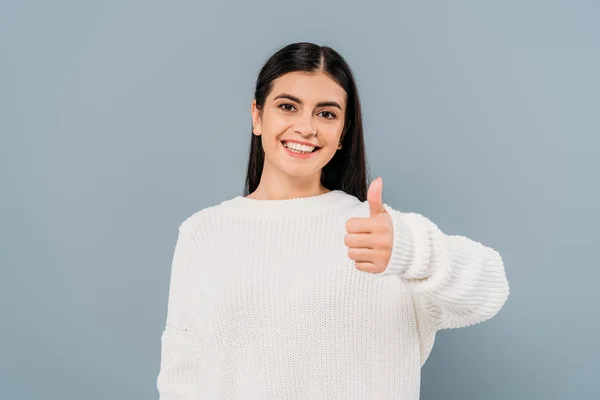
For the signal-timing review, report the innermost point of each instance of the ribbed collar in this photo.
(310, 205)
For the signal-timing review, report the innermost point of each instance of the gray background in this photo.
(121, 118)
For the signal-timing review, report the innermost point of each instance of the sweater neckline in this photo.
(293, 206)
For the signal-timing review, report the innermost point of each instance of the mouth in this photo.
(299, 149)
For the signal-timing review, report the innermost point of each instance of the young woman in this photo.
(309, 286)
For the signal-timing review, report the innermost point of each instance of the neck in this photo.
(330, 202)
(278, 187)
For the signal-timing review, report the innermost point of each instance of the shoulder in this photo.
(407, 215)
(419, 224)
(205, 219)
(358, 208)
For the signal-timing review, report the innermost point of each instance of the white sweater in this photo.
(264, 302)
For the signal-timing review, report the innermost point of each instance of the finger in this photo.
(359, 240)
(366, 266)
(362, 225)
(361, 255)
(375, 197)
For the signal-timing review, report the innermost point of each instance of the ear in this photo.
(343, 136)
(256, 128)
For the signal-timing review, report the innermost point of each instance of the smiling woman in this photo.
(300, 105)
(309, 286)
(306, 94)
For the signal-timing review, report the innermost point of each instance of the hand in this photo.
(370, 240)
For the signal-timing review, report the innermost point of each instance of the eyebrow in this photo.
(297, 100)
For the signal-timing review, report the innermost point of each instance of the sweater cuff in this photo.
(410, 250)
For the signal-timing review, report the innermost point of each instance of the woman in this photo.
(309, 286)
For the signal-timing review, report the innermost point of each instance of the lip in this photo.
(299, 155)
(300, 142)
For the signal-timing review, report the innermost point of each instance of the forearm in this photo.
(179, 366)
(181, 341)
(462, 282)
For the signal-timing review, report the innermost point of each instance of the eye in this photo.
(287, 107)
(328, 114)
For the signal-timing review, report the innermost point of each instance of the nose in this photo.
(305, 126)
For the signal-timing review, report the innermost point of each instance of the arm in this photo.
(456, 281)
(181, 341)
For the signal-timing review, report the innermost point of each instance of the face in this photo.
(301, 123)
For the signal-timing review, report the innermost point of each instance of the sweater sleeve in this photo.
(180, 341)
(456, 281)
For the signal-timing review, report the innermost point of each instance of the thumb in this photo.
(375, 197)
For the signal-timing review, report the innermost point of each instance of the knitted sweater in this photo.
(264, 302)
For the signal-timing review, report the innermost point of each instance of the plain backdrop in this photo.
(119, 119)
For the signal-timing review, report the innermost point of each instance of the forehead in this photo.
(309, 87)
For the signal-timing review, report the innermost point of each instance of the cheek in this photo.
(272, 130)
(275, 126)
(331, 133)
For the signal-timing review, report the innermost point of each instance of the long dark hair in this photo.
(347, 170)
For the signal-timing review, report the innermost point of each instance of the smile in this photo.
(299, 150)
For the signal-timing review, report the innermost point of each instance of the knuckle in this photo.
(350, 224)
(380, 242)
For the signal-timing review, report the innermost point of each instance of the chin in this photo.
(301, 172)
(300, 167)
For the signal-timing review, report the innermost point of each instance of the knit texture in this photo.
(264, 302)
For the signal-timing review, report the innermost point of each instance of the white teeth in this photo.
(299, 148)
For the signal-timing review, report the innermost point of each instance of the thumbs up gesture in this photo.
(370, 240)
